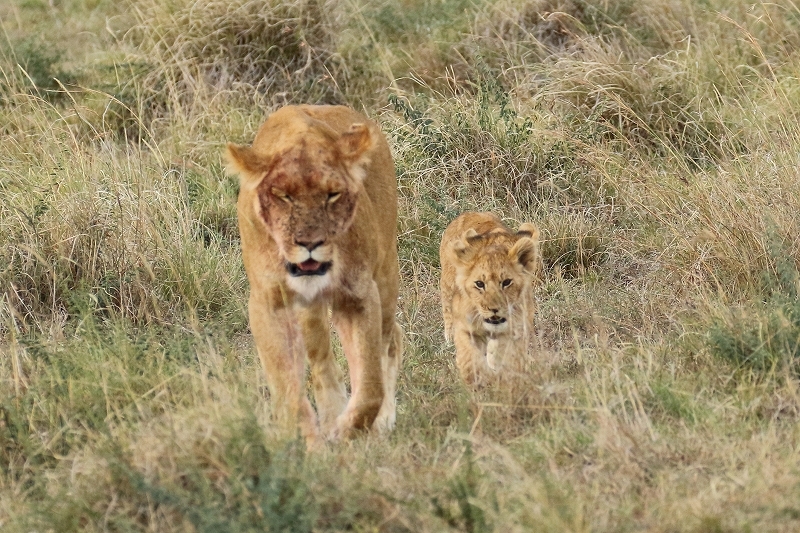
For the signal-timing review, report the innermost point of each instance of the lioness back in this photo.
(317, 215)
(487, 291)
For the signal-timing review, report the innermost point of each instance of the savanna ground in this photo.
(655, 142)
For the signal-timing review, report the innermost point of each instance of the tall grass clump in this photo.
(482, 151)
(284, 50)
(480, 145)
(639, 75)
(124, 235)
(659, 106)
(250, 486)
(410, 44)
(539, 28)
(97, 377)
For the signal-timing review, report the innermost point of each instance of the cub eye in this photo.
(506, 283)
(332, 197)
(282, 195)
(480, 284)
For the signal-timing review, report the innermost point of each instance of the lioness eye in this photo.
(479, 284)
(282, 195)
(332, 197)
(506, 282)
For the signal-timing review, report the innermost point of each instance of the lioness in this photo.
(317, 216)
(486, 286)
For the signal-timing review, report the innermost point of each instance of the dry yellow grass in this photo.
(655, 143)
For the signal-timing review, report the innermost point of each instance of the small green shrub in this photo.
(260, 489)
(39, 69)
(402, 22)
(765, 336)
(765, 339)
(119, 105)
(459, 506)
(667, 401)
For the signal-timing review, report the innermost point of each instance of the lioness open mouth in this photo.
(495, 320)
(308, 267)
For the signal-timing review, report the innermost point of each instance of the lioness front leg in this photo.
(282, 351)
(391, 368)
(329, 390)
(358, 323)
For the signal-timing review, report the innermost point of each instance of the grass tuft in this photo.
(284, 49)
(250, 489)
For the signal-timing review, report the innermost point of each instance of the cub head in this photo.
(494, 270)
(304, 182)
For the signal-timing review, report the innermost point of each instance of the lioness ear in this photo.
(243, 161)
(526, 252)
(354, 142)
(461, 247)
(353, 146)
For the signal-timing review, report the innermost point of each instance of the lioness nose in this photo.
(308, 245)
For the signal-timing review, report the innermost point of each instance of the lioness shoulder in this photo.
(317, 215)
(486, 286)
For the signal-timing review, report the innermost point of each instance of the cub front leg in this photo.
(447, 311)
(505, 352)
(281, 348)
(358, 322)
(470, 356)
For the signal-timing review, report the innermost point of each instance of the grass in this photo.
(655, 144)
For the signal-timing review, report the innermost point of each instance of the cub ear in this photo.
(529, 230)
(353, 146)
(462, 246)
(244, 161)
(526, 250)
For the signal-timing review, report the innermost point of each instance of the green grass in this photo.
(765, 335)
(655, 143)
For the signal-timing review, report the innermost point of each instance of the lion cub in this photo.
(487, 293)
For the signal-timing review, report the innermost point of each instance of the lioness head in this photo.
(494, 270)
(305, 181)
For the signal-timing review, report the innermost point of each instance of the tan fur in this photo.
(317, 215)
(487, 291)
